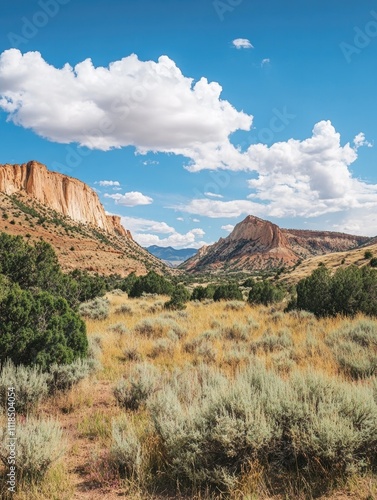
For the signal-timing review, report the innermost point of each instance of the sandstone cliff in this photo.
(38, 204)
(65, 195)
(257, 244)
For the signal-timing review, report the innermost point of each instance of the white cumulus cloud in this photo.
(242, 43)
(297, 178)
(213, 195)
(138, 224)
(228, 227)
(131, 199)
(149, 105)
(108, 183)
(150, 232)
(217, 209)
(310, 177)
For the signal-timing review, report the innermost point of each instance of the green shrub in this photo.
(30, 384)
(355, 348)
(132, 354)
(236, 355)
(63, 377)
(162, 346)
(270, 342)
(97, 308)
(35, 267)
(151, 283)
(202, 293)
(212, 429)
(126, 450)
(124, 309)
(133, 391)
(235, 332)
(179, 297)
(39, 328)
(264, 292)
(235, 305)
(349, 291)
(89, 285)
(118, 328)
(95, 346)
(231, 291)
(199, 293)
(333, 425)
(159, 327)
(39, 445)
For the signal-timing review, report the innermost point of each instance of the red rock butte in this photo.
(64, 194)
(257, 244)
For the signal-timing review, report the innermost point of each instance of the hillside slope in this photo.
(38, 204)
(333, 261)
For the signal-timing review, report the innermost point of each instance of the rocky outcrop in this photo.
(65, 195)
(114, 222)
(257, 244)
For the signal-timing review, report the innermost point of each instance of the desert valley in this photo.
(211, 379)
(188, 250)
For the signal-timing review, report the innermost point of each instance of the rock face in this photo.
(116, 226)
(61, 193)
(257, 244)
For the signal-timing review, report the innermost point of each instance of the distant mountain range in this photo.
(257, 244)
(172, 255)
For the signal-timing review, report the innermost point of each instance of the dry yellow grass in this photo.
(331, 260)
(86, 411)
(198, 318)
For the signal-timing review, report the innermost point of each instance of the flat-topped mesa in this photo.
(64, 194)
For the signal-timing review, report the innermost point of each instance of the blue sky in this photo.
(198, 113)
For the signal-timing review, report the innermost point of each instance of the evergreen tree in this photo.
(314, 292)
(230, 291)
(264, 292)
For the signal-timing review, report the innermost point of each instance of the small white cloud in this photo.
(265, 62)
(242, 43)
(213, 195)
(198, 231)
(228, 227)
(360, 141)
(108, 183)
(181, 219)
(195, 220)
(131, 199)
(151, 162)
(117, 189)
